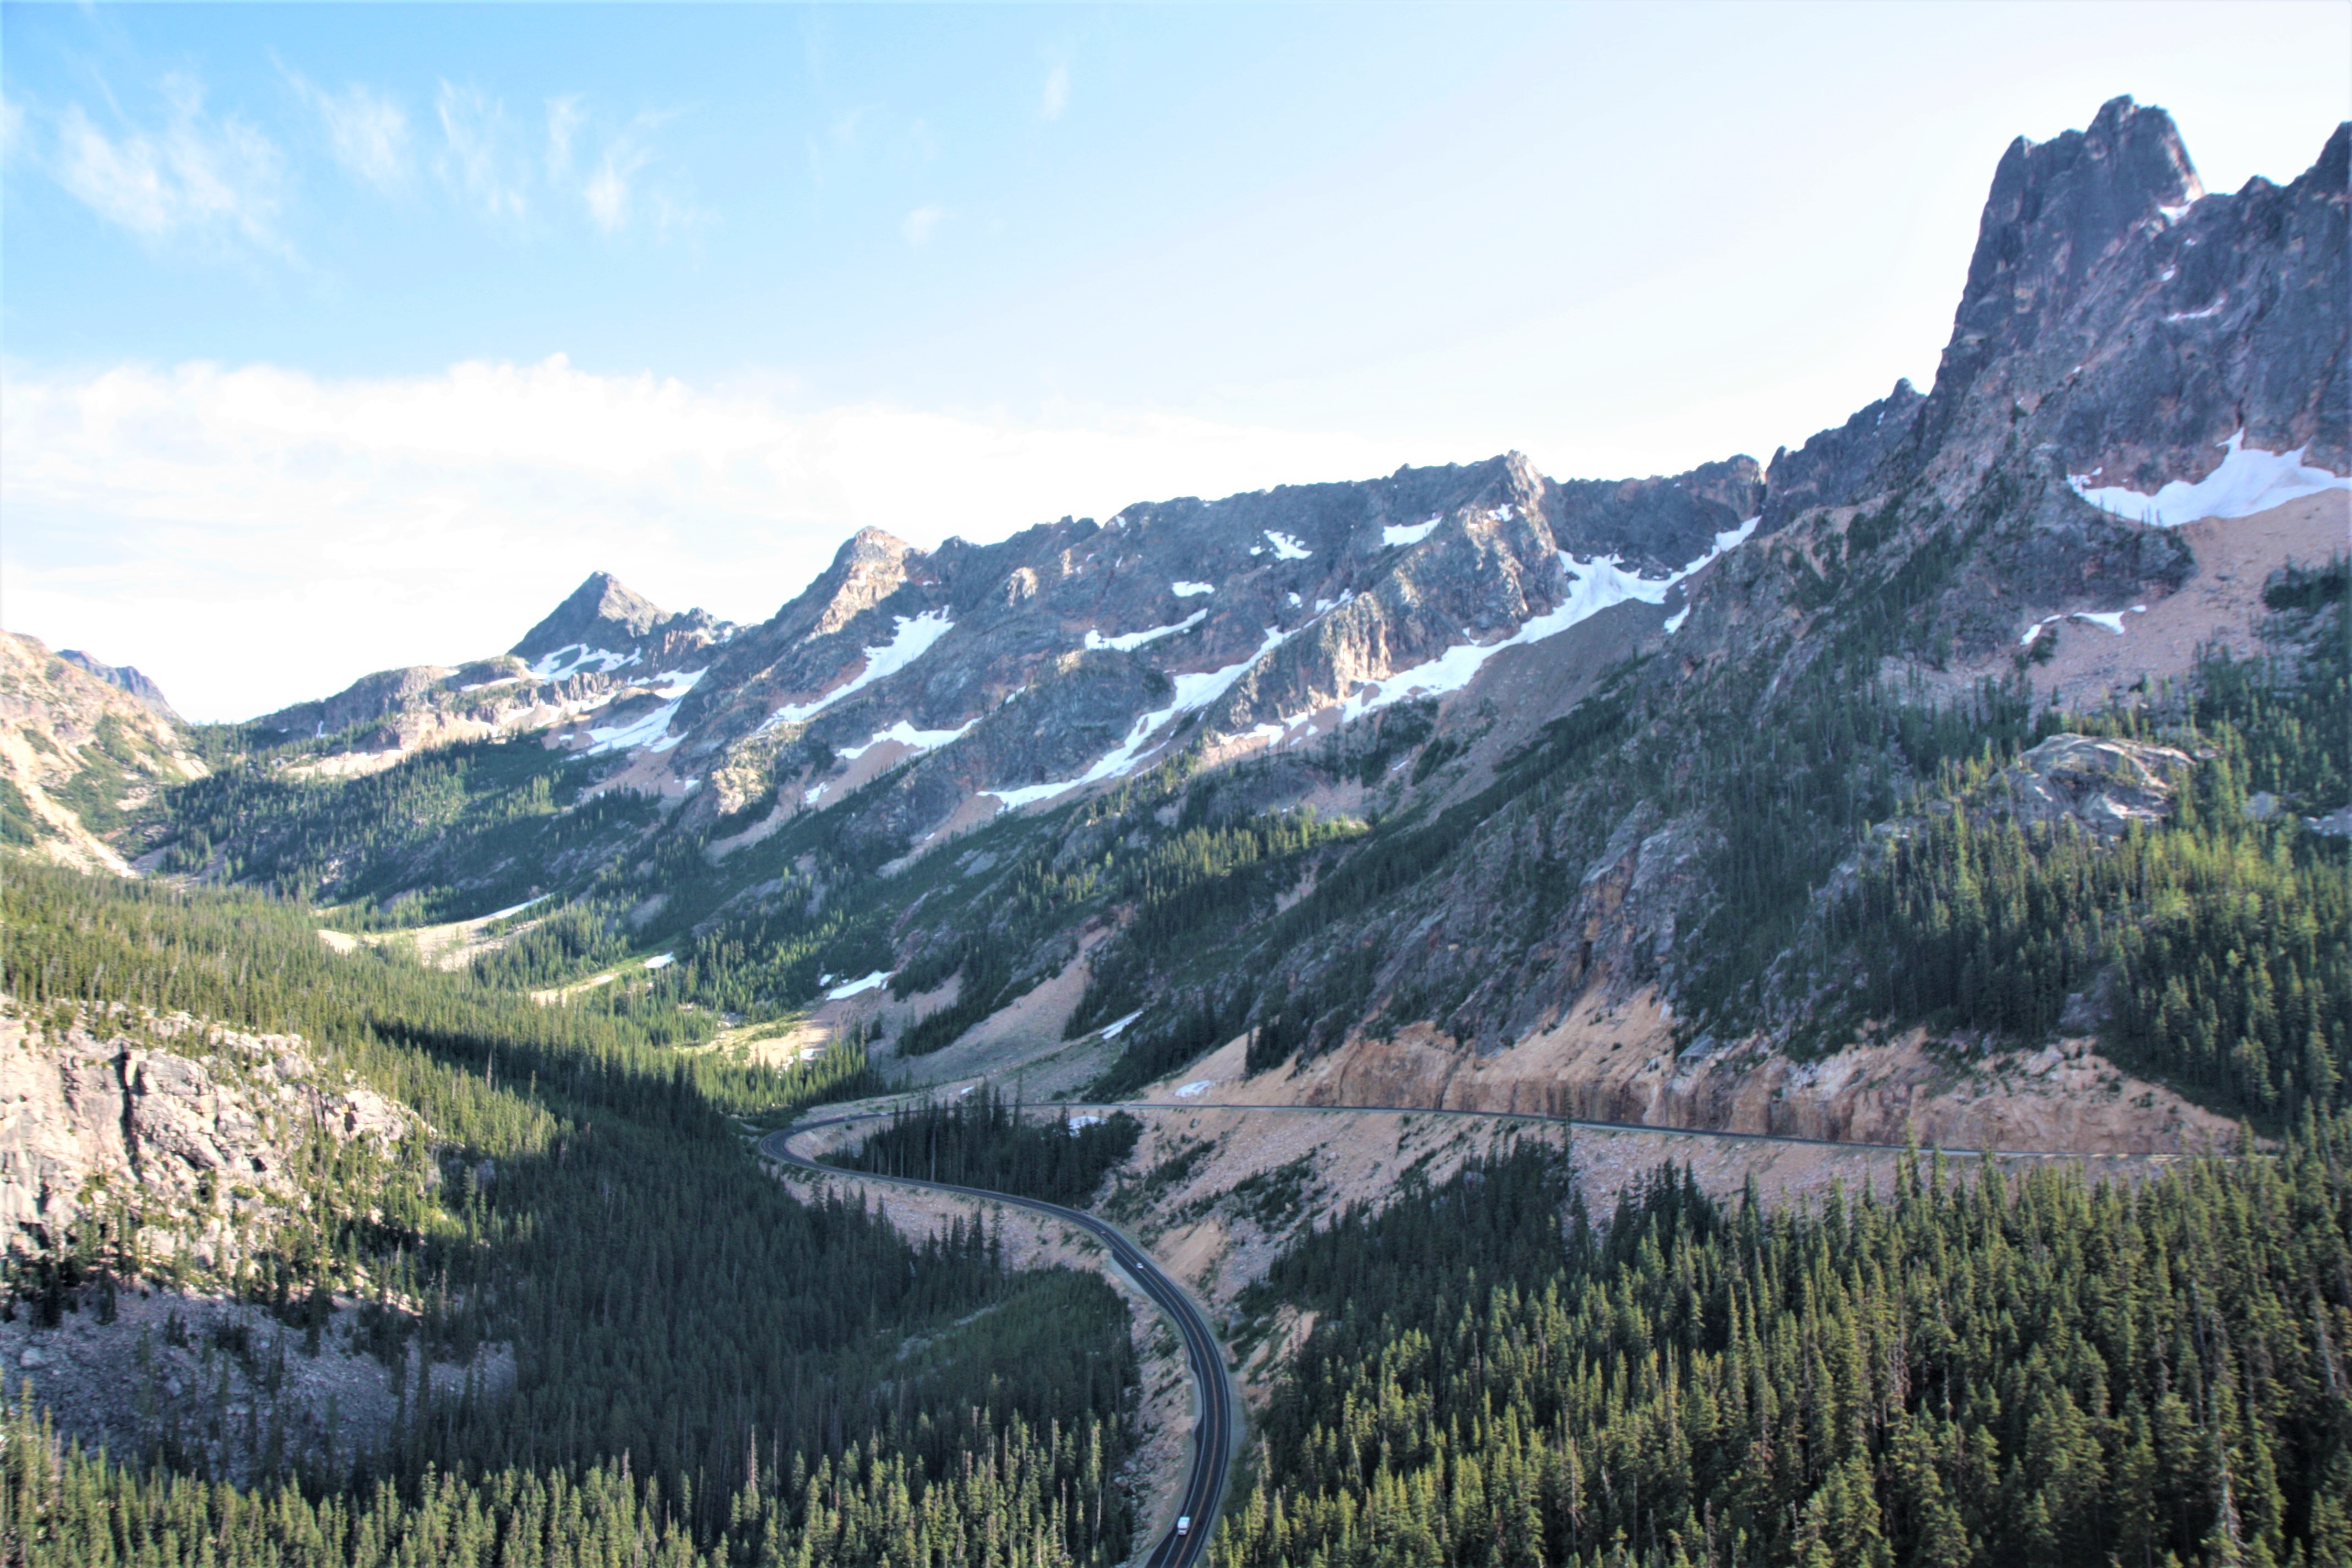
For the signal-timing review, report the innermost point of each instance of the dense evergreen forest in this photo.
(1969, 1369)
(443, 834)
(703, 1362)
(981, 1139)
(2222, 939)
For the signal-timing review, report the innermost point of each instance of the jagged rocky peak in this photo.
(605, 617)
(603, 612)
(2057, 208)
(124, 676)
(2057, 211)
(870, 567)
(2120, 326)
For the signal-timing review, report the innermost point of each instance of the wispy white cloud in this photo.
(482, 158)
(1055, 98)
(215, 179)
(205, 523)
(12, 126)
(367, 130)
(565, 119)
(918, 226)
(611, 191)
(608, 190)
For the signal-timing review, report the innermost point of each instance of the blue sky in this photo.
(339, 337)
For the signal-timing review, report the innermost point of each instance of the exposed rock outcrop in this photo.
(2103, 784)
(198, 1132)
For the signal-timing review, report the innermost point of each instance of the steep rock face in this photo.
(2119, 330)
(1840, 466)
(2119, 327)
(124, 676)
(198, 1129)
(1271, 615)
(2121, 316)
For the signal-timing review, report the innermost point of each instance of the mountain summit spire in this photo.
(603, 612)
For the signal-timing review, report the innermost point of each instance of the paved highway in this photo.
(1539, 1118)
(1213, 1436)
(1213, 1431)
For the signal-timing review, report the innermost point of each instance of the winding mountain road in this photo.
(1213, 1429)
(1539, 1118)
(1213, 1432)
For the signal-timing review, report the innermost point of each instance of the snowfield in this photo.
(906, 735)
(1192, 691)
(652, 730)
(1408, 533)
(911, 640)
(2249, 480)
(1594, 586)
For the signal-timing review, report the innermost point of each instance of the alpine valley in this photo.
(1795, 1012)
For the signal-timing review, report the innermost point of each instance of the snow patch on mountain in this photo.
(1128, 641)
(1192, 590)
(913, 638)
(2249, 480)
(1287, 547)
(906, 735)
(1594, 586)
(652, 730)
(578, 656)
(1193, 691)
(1408, 533)
(847, 989)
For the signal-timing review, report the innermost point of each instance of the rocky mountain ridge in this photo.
(82, 757)
(125, 676)
(1586, 742)
(1261, 622)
